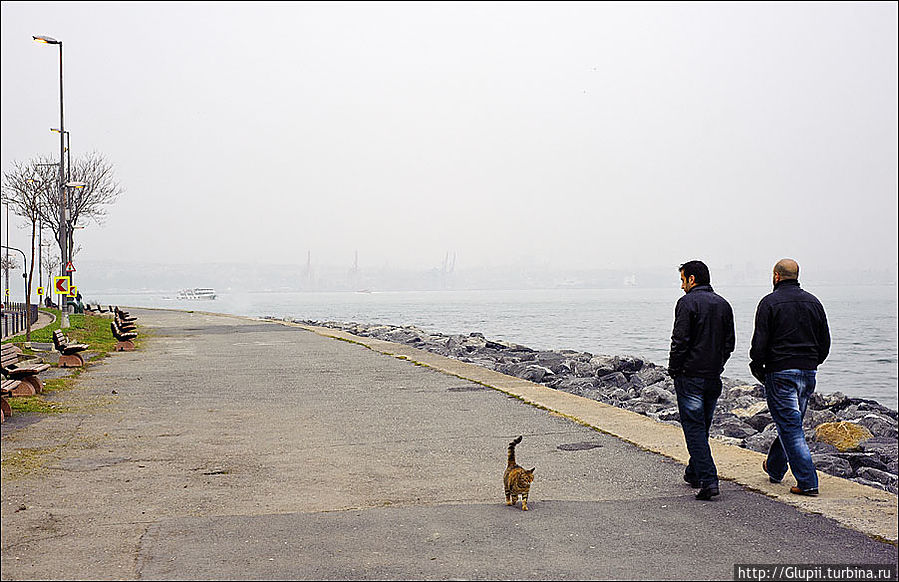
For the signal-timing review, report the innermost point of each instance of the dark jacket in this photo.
(703, 335)
(790, 331)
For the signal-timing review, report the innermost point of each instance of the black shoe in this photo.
(693, 484)
(806, 492)
(707, 493)
(765, 469)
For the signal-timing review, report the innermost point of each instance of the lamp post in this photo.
(68, 151)
(63, 226)
(25, 296)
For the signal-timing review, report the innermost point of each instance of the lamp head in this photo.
(46, 39)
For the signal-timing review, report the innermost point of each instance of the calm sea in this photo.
(631, 321)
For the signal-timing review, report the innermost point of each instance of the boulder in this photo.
(821, 448)
(820, 401)
(859, 460)
(815, 417)
(886, 449)
(761, 442)
(749, 411)
(615, 379)
(603, 365)
(574, 385)
(884, 477)
(533, 372)
(658, 394)
(833, 465)
(845, 436)
(668, 415)
(644, 407)
(731, 426)
(649, 375)
(756, 391)
(881, 426)
(760, 421)
(619, 394)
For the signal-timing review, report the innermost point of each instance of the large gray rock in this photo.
(815, 417)
(760, 421)
(820, 401)
(657, 393)
(761, 442)
(859, 460)
(755, 390)
(880, 426)
(731, 426)
(884, 477)
(574, 385)
(615, 380)
(668, 415)
(833, 465)
(648, 376)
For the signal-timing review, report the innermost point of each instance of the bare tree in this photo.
(7, 263)
(85, 203)
(52, 264)
(23, 189)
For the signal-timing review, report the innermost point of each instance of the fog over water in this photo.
(557, 135)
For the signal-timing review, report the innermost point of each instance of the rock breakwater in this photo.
(864, 449)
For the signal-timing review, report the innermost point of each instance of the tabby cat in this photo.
(517, 480)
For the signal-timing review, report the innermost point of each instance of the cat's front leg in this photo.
(524, 502)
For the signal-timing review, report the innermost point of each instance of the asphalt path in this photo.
(227, 448)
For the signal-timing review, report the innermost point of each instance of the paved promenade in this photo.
(227, 448)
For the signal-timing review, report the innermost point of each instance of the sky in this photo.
(572, 135)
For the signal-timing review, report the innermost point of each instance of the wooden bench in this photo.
(124, 337)
(69, 356)
(124, 316)
(5, 392)
(25, 374)
(125, 326)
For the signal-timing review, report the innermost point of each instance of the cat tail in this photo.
(512, 451)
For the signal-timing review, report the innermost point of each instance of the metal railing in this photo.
(15, 318)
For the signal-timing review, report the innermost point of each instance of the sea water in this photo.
(628, 321)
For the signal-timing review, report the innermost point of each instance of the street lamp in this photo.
(63, 233)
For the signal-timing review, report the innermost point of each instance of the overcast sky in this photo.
(575, 135)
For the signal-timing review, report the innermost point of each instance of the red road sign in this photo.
(70, 267)
(61, 284)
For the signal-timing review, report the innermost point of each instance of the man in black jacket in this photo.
(701, 343)
(791, 339)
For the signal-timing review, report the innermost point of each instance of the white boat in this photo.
(197, 293)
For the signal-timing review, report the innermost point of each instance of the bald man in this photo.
(791, 339)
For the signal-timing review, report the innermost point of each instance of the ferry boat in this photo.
(197, 293)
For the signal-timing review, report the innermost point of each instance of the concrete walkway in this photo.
(229, 448)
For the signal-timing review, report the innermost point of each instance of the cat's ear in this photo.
(532, 469)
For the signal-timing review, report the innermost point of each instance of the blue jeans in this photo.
(696, 399)
(787, 393)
